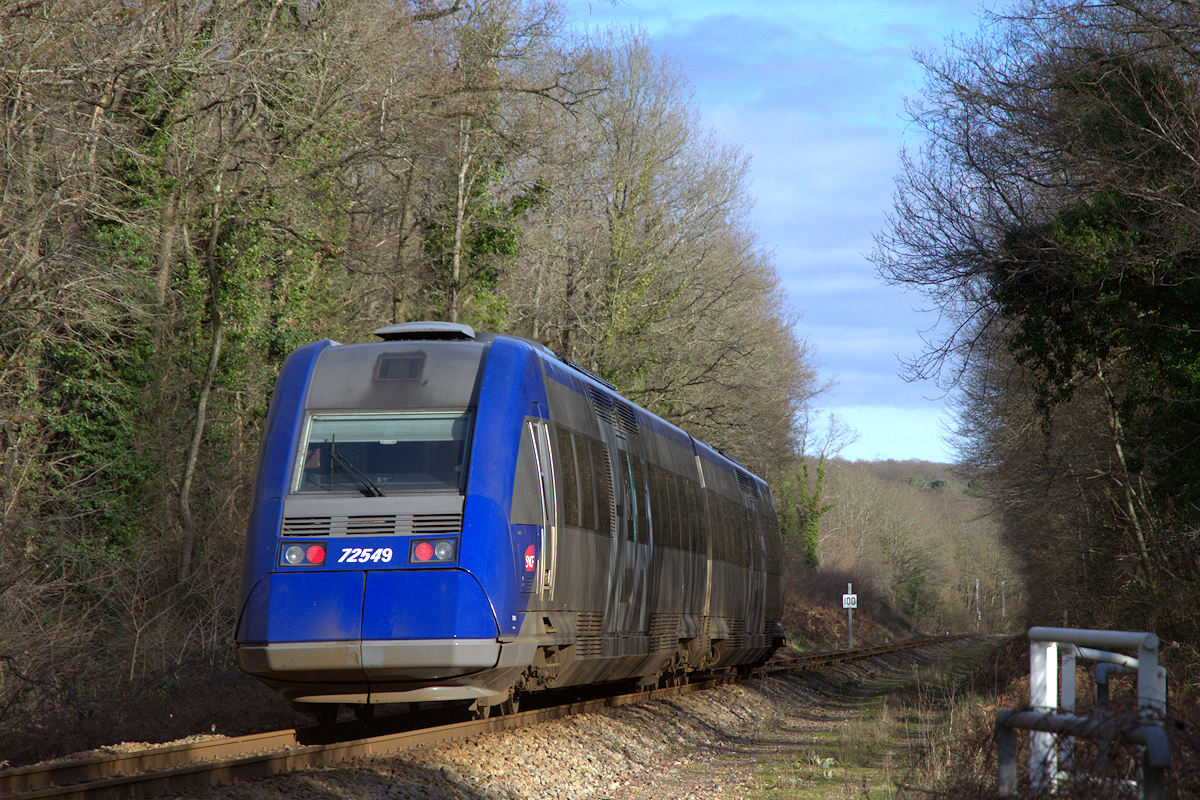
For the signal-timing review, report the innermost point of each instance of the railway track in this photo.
(171, 768)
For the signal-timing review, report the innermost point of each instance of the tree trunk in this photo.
(1125, 480)
(460, 213)
(187, 522)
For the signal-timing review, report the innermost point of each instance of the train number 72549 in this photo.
(361, 555)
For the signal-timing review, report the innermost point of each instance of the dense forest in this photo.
(189, 190)
(1051, 216)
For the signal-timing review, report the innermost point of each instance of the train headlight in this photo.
(308, 554)
(425, 552)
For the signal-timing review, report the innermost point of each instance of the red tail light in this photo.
(438, 551)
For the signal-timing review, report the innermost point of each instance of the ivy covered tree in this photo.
(802, 527)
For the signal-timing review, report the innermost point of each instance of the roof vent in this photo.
(425, 330)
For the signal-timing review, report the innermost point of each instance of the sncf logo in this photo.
(530, 558)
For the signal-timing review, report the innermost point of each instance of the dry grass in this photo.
(814, 618)
(878, 738)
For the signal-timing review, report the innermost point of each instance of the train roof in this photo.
(424, 331)
(457, 331)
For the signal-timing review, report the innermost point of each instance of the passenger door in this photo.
(539, 432)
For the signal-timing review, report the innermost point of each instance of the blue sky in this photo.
(814, 93)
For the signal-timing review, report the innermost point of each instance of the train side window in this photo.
(733, 540)
(726, 528)
(693, 516)
(746, 550)
(718, 527)
(667, 525)
(680, 504)
(676, 510)
(707, 509)
(603, 472)
(569, 479)
(774, 545)
(657, 508)
(681, 514)
(527, 490)
(737, 533)
(684, 513)
(587, 483)
(688, 508)
(638, 480)
(662, 508)
(623, 473)
(703, 510)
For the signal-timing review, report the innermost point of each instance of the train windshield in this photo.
(383, 453)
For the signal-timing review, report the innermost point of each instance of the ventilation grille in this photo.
(588, 643)
(627, 419)
(372, 526)
(306, 526)
(747, 485)
(619, 414)
(602, 405)
(737, 632)
(436, 524)
(375, 525)
(612, 494)
(663, 632)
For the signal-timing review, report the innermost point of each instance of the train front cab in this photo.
(374, 533)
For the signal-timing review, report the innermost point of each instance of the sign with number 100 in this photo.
(849, 601)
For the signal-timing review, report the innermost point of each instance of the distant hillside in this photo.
(922, 536)
(921, 474)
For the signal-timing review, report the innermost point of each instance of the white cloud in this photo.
(813, 92)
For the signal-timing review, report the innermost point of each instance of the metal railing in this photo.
(1051, 716)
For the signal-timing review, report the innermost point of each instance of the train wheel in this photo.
(672, 678)
(509, 706)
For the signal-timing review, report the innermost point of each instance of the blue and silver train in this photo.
(450, 515)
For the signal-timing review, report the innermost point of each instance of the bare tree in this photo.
(1051, 216)
(641, 267)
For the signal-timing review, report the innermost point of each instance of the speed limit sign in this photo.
(849, 601)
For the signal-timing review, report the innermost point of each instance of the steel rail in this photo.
(167, 768)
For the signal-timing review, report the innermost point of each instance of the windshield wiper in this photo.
(365, 484)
